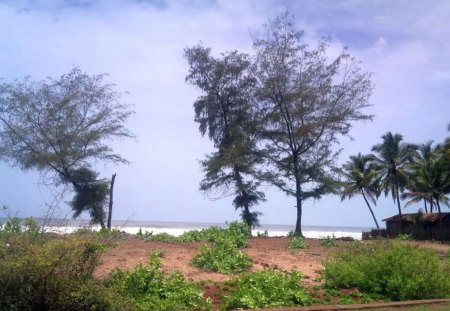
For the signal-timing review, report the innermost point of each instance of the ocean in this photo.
(177, 228)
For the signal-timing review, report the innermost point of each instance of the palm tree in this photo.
(391, 159)
(360, 178)
(416, 189)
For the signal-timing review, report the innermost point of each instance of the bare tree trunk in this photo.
(298, 196)
(425, 202)
(370, 208)
(111, 190)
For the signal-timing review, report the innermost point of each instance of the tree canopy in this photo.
(306, 101)
(61, 126)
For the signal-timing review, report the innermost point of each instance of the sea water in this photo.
(178, 228)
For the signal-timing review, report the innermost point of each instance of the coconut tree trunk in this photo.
(371, 211)
(440, 215)
(398, 204)
(111, 191)
(425, 204)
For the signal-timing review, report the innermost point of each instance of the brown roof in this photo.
(429, 217)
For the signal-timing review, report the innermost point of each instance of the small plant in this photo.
(223, 257)
(151, 289)
(264, 234)
(297, 243)
(404, 237)
(346, 300)
(267, 289)
(328, 241)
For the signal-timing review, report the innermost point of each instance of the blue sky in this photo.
(140, 45)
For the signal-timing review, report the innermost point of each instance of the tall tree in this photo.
(224, 111)
(306, 102)
(391, 158)
(60, 126)
(422, 161)
(360, 178)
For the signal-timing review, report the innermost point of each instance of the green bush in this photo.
(223, 257)
(54, 275)
(404, 237)
(238, 232)
(391, 270)
(297, 242)
(267, 289)
(151, 289)
(328, 241)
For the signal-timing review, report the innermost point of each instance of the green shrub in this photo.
(267, 289)
(391, 270)
(328, 241)
(54, 275)
(163, 237)
(264, 234)
(223, 257)
(297, 242)
(151, 289)
(404, 237)
(237, 232)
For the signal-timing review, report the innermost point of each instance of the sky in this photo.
(404, 44)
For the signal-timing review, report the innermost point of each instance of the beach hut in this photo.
(422, 226)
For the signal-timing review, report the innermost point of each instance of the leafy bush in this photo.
(267, 289)
(264, 234)
(151, 289)
(223, 257)
(391, 270)
(297, 242)
(404, 237)
(54, 275)
(328, 241)
(238, 232)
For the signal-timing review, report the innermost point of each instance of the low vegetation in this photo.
(223, 257)
(50, 272)
(390, 270)
(152, 289)
(39, 273)
(267, 289)
(328, 241)
(237, 232)
(297, 243)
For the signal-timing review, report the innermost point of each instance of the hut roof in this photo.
(428, 217)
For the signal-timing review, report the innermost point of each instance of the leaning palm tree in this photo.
(360, 178)
(391, 158)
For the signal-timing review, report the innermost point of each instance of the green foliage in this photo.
(404, 237)
(151, 289)
(264, 234)
(223, 257)
(297, 242)
(328, 241)
(391, 270)
(54, 275)
(237, 232)
(267, 289)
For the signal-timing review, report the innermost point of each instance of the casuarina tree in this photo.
(61, 126)
(306, 101)
(225, 112)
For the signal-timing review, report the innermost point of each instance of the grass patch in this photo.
(390, 270)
